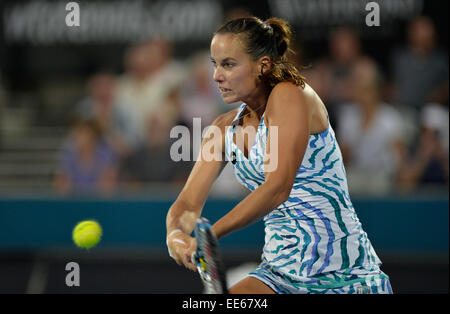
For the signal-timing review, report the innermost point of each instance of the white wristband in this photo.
(174, 240)
(174, 231)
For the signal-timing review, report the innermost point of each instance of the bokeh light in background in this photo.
(86, 114)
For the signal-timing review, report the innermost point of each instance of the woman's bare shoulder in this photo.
(222, 122)
(286, 93)
(287, 87)
(288, 97)
(225, 119)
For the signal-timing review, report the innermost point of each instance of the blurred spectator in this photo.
(419, 68)
(103, 106)
(370, 134)
(87, 163)
(150, 84)
(330, 76)
(429, 163)
(151, 162)
(200, 96)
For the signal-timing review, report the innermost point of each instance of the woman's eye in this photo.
(228, 65)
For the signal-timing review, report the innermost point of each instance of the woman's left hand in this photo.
(181, 247)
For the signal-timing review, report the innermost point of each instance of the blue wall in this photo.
(398, 226)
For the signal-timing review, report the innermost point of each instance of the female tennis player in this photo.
(314, 242)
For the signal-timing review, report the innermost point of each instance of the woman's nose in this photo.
(218, 76)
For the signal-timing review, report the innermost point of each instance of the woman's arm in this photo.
(288, 111)
(183, 213)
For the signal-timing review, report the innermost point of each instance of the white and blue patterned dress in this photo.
(314, 242)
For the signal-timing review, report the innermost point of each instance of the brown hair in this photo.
(269, 38)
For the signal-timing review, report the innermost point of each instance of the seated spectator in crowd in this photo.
(102, 105)
(370, 134)
(150, 84)
(330, 75)
(419, 68)
(87, 163)
(199, 96)
(151, 162)
(428, 166)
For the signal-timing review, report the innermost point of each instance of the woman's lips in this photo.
(224, 90)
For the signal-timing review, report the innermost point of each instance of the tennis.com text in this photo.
(230, 303)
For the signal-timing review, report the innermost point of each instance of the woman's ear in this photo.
(265, 64)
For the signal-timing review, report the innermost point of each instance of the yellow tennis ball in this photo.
(87, 234)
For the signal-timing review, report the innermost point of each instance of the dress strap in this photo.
(237, 117)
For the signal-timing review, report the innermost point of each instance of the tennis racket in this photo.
(208, 260)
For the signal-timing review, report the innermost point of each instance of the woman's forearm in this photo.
(252, 208)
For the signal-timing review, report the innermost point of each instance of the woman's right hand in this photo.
(181, 246)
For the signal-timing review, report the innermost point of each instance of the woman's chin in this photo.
(230, 100)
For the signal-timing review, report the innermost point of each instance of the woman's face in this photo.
(235, 73)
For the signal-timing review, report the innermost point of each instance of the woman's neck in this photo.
(257, 105)
(255, 112)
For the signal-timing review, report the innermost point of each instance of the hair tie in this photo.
(268, 27)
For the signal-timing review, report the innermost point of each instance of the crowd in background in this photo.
(121, 131)
(392, 124)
